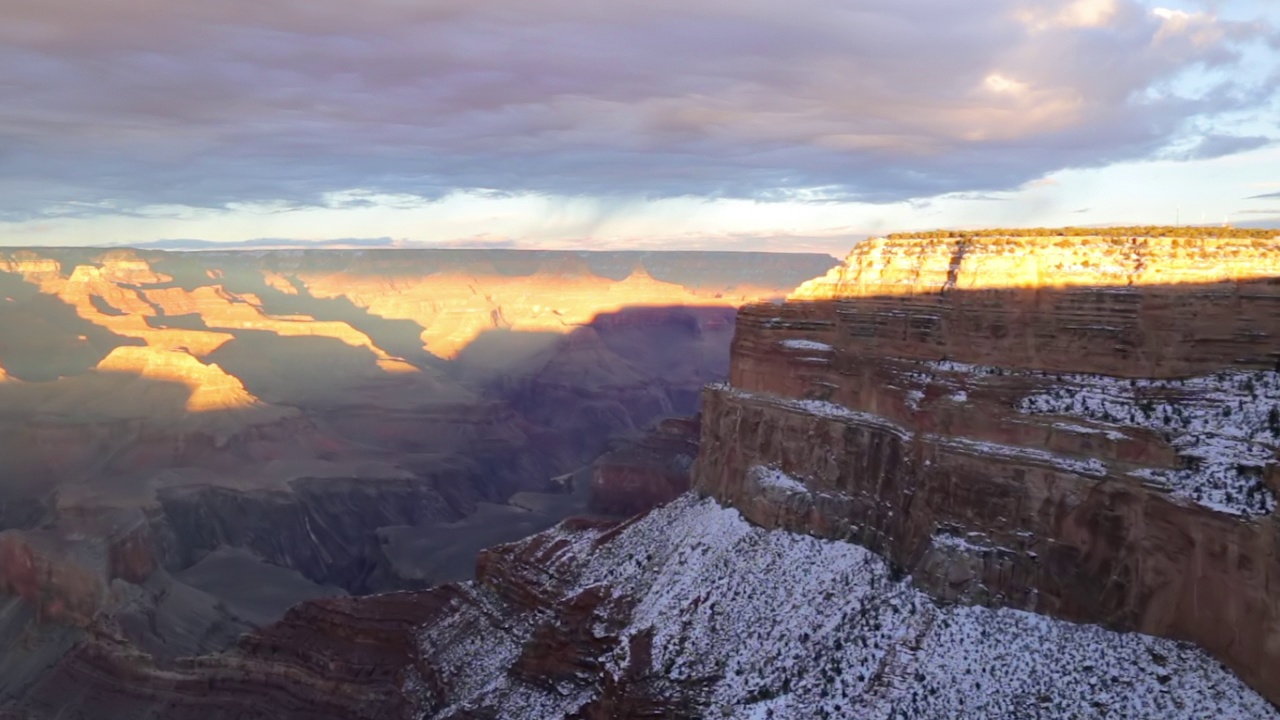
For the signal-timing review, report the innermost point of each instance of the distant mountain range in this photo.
(269, 244)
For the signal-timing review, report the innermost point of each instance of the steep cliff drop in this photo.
(1085, 428)
(922, 478)
(191, 443)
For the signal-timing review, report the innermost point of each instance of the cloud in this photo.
(1217, 145)
(120, 105)
(1265, 196)
(1270, 223)
(1076, 14)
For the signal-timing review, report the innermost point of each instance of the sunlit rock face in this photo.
(892, 531)
(1081, 427)
(211, 389)
(1127, 307)
(182, 433)
(921, 265)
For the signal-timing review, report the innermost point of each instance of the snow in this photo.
(819, 408)
(1091, 467)
(797, 344)
(1084, 430)
(770, 478)
(914, 398)
(1225, 427)
(971, 542)
(785, 626)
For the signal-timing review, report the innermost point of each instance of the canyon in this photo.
(983, 475)
(192, 443)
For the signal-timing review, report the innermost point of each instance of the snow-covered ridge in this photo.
(1091, 467)
(1225, 426)
(777, 625)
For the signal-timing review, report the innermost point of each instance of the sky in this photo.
(658, 124)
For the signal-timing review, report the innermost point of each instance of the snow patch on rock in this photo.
(1226, 428)
(771, 478)
(777, 625)
(798, 344)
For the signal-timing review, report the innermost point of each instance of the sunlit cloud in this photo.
(241, 120)
(1075, 14)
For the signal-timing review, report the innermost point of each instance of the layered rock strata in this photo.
(336, 659)
(687, 612)
(1085, 428)
(263, 422)
(1139, 499)
(645, 472)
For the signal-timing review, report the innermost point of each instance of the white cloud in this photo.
(998, 83)
(1049, 14)
(1088, 13)
(1201, 28)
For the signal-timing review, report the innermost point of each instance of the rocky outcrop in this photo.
(260, 417)
(1117, 306)
(920, 465)
(1079, 427)
(645, 472)
(59, 588)
(687, 612)
(338, 659)
(209, 387)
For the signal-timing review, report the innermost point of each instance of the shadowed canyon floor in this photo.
(1046, 489)
(190, 443)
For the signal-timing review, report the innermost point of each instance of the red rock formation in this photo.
(647, 471)
(339, 660)
(685, 612)
(897, 392)
(60, 587)
(288, 404)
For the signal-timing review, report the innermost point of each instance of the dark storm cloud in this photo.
(115, 105)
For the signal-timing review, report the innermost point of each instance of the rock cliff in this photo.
(945, 494)
(644, 472)
(687, 612)
(1085, 428)
(271, 427)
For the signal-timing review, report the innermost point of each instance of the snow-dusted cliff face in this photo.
(694, 612)
(690, 611)
(922, 494)
(1083, 427)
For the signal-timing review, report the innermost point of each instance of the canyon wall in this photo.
(191, 442)
(915, 479)
(1081, 427)
(688, 611)
(644, 472)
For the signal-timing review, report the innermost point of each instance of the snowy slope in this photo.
(769, 624)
